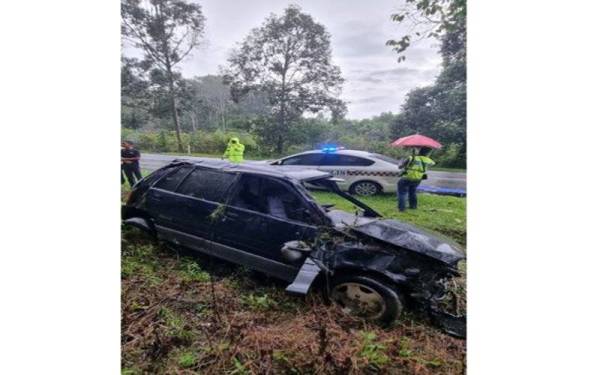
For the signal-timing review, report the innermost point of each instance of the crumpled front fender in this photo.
(343, 260)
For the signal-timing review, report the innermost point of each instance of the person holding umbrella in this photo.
(414, 167)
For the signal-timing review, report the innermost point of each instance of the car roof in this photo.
(266, 169)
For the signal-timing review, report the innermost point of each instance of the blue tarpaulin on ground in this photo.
(442, 191)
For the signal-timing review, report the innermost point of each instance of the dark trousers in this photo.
(132, 171)
(407, 187)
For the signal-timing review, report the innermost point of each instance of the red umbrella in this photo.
(416, 140)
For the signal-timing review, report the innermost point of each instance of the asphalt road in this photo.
(450, 180)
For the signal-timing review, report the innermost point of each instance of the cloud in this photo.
(371, 99)
(375, 81)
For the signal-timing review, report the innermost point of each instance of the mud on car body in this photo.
(263, 217)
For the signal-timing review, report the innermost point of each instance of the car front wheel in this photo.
(364, 188)
(367, 297)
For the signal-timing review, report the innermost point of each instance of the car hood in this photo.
(402, 235)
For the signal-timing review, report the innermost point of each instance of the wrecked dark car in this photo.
(264, 218)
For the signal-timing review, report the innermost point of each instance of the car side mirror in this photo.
(278, 162)
(293, 251)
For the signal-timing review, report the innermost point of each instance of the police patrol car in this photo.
(363, 173)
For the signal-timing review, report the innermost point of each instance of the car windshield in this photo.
(331, 186)
(389, 159)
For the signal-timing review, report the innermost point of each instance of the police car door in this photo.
(346, 167)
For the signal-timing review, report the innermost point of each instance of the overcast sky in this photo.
(375, 81)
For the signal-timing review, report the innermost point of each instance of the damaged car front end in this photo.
(420, 264)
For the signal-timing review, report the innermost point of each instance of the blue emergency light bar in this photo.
(330, 148)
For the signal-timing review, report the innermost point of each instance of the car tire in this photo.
(382, 303)
(365, 188)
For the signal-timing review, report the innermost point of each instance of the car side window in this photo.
(207, 184)
(172, 180)
(271, 197)
(307, 159)
(331, 159)
(346, 160)
(157, 175)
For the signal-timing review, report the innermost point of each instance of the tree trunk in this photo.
(193, 118)
(280, 131)
(174, 110)
(279, 146)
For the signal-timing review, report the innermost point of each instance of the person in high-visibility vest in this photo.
(415, 169)
(234, 151)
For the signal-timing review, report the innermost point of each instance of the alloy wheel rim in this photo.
(359, 299)
(365, 188)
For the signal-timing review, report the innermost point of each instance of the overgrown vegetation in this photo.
(245, 323)
(186, 313)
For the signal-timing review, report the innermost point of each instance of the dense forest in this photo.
(279, 91)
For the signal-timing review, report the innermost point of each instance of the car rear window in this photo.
(389, 159)
(207, 184)
(173, 179)
(306, 159)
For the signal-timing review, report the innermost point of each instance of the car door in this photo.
(202, 191)
(163, 204)
(347, 167)
(253, 224)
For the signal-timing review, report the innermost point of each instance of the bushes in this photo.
(215, 142)
(199, 142)
(450, 156)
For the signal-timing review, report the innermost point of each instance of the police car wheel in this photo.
(364, 188)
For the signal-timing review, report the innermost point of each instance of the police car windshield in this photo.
(389, 159)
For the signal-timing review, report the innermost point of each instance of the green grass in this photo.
(443, 169)
(443, 214)
(372, 351)
(187, 359)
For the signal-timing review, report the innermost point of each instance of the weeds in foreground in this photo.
(172, 326)
(258, 303)
(372, 351)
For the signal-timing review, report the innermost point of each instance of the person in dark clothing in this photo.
(130, 162)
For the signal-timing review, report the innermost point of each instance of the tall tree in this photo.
(288, 59)
(166, 31)
(135, 94)
(438, 110)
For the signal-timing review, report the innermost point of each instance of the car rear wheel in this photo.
(367, 297)
(364, 188)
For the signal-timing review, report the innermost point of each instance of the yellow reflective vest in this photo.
(416, 167)
(234, 151)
